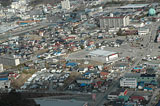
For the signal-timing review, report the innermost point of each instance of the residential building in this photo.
(132, 75)
(65, 4)
(4, 81)
(114, 22)
(143, 31)
(92, 74)
(148, 78)
(158, 37)
(128, 82)
(137, 98)
(120, 66)
(82, 70)
(23, 2)
(84, 81)
(133, 78)
(15, 5)
(103, 75)
(134, 6)
(119, 93)
(9, 61)
(1, 67)
(113, 96)
(130, 103)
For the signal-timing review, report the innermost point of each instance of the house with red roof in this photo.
(137, 98)
(104, 75)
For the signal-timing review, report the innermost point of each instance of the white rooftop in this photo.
(134, 6)
(101, 52)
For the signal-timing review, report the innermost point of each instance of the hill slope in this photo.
(5, 2)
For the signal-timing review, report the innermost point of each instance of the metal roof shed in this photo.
(101, 53)
(103, 56)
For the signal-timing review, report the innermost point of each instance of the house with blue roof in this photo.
(71, 64)
(4, 82)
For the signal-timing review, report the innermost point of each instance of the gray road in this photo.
(156, 92)
(102, 97)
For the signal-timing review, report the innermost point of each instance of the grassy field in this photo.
(17, 83)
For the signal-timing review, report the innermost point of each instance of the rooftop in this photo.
(148, 75)
(101, 53)
(121, 65)
(114, 93)
(132, 75)
(111, 17)
(132, 6)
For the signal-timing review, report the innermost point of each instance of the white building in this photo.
(102, 55)
(23, 8)
(114, 22)
(11, 10)
(9, 61)
(15, 5)
(22, 2)
(113, 96)
(128, 82)
(4, 81)
(143, 31)
(65, 4)
(137, 25)
(1, 67)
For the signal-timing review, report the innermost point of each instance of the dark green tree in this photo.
(5, 3)
(15, 99)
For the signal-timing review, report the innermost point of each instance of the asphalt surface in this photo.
(156, 92)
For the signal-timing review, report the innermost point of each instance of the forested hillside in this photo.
(5, 2)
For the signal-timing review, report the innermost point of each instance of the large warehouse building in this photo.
(102, 55)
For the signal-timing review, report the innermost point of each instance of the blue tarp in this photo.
(83, 84)
(3, 79)
(147, 88)
(136, 68)
(71, 64)
(87, 73)
(57, 53)
(38, 56)
(23, 23)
